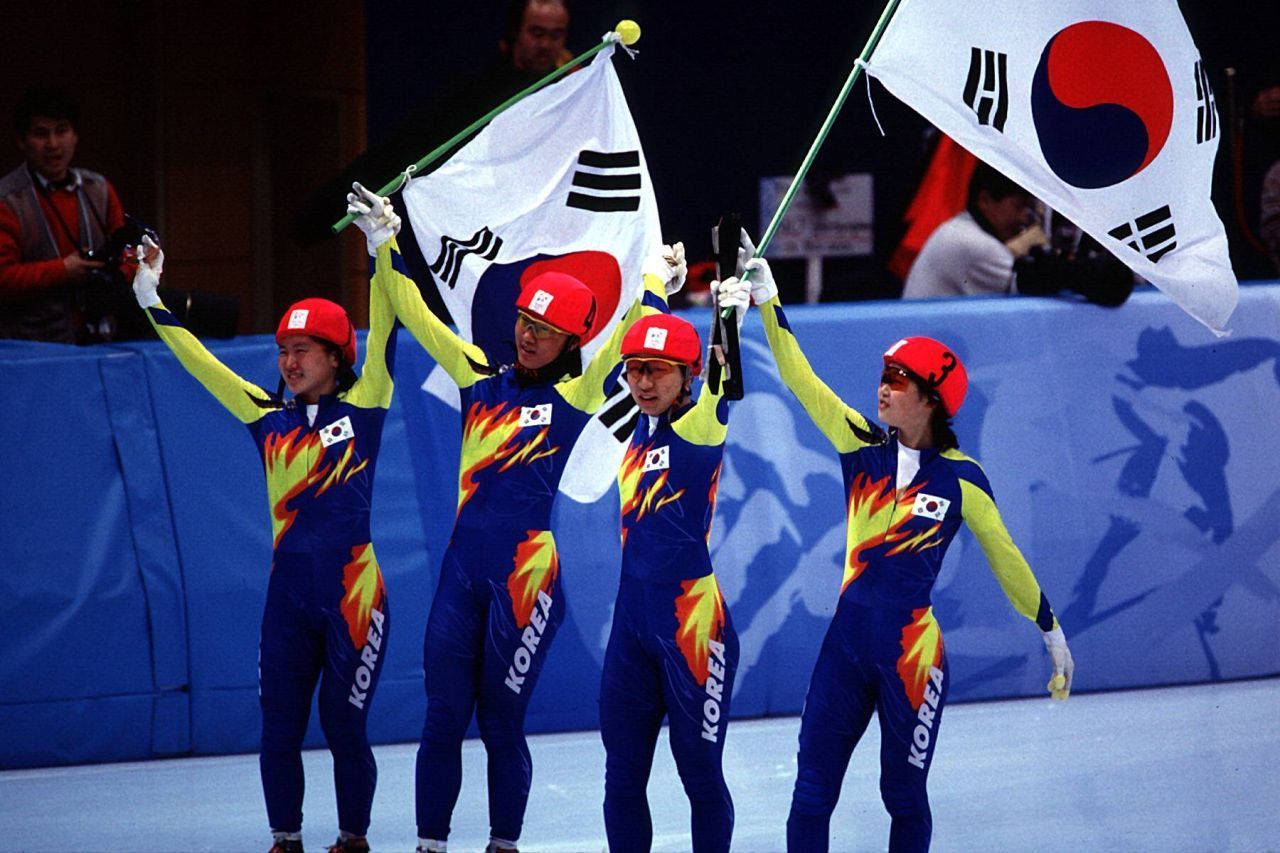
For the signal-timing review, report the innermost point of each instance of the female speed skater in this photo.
(673, 650)
(907, 492)
(499, 600)
(326, 618)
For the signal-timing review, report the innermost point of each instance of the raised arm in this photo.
(464, 362)
(707, 423)
(663, 275)
(246, 401)
(379, 222)
(844, 426)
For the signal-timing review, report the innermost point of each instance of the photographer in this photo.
(996, 245)
(973, 252)
(56, 280)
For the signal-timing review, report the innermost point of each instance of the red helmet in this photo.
(666, 337)
(559, 300)
(321, 319)
(936, 365)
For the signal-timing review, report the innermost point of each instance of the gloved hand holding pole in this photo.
(374, 216)
(790, 194)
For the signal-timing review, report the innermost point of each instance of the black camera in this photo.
(1077, 264)
(111, 253)
(107, 306)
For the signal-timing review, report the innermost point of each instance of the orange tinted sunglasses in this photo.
(540, 330)
(648, 367)
(896, 378)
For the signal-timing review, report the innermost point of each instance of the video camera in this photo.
(107, 305)
(1073, 262)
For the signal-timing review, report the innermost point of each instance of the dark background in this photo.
(726, 92)
(216, 121)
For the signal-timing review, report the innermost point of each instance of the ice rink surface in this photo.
(1173, 769)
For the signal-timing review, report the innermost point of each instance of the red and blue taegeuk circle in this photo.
(1102, 104)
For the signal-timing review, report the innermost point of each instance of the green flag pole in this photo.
(626, 32)
(867, 50)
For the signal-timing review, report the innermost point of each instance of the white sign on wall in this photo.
(810, 227)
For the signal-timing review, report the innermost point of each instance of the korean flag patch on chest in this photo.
(339, 430)
(930, 507)
(658, 459)
(539, 415)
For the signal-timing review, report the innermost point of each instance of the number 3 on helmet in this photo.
(936, 365)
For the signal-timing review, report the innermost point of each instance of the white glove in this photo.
(147, 278)
(374, 216)
(668, 264)
(763, 287)
(1063, 666)
(732, 293)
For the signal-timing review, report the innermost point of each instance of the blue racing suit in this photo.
(499, 600)
(326, 617)
(673, 651)
(884, 651)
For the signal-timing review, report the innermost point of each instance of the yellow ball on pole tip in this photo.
(628, 32)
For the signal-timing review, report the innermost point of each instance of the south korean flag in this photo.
(1100, 109)
(558, 181)
(929, 506)
(539, 415)
(339, 430)
(658, 459)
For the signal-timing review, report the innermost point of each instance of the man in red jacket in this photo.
(51, 216)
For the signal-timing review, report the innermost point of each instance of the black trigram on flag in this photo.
(606, 182)
(986, 90)
(1207, 107)
(447, 266)
(619, 412)
(1151, 235)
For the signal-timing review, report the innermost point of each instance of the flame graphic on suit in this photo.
(489, 436)
(362, 581)
(921, 652)
(296, 463)
(711, 498)
(536, 567)
(876, 518)
(638, 502)
(700, 614)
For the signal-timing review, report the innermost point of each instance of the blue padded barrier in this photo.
(1131, 454)
(77, 660)
(133, 429)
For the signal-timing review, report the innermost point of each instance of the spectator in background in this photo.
(533, 45)
(973, 252)
(536, 33)
(996, 245)
(1266, 104)
(51, 217)
(1269, 221)
(1266, 109)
